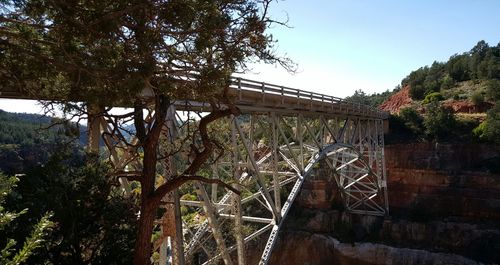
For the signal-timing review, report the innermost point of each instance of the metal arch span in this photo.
(272, 155)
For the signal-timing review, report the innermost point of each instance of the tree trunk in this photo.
(143, 246)
(149, 142)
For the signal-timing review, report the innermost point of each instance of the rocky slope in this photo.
(397, 101)
(299, 248)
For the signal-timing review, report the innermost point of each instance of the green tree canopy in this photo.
(438, 121)
(106, 53)
(11, 250)
(481, 62)
(94, 224)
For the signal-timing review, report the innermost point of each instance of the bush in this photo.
(439, 122)
(411, 120)
(491, 130)
(493, 89)
(478, 132)
(447, 82)
(10, 251)
(477, 98)
(464, 128)
(431, 97)
(94, 224)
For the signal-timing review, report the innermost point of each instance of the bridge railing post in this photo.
(282, 95)
(239, 88)
(263, 89)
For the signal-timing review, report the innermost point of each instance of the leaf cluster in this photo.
(108, 52)
(11, 253)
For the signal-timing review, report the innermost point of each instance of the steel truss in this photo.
(270, 154)
(281, 139)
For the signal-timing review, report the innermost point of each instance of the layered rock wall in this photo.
(443, 180)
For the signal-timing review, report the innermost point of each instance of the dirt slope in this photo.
(397, 101)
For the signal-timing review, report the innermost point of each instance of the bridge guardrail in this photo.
(267, 88)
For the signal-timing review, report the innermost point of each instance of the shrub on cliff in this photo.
(439, 122)
(489, 130)
(412, 120)
(431, 97)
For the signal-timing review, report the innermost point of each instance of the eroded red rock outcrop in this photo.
(397, 101)
(466, 106)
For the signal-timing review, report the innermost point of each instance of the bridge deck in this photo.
(255, 96)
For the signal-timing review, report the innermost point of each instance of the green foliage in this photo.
(115, 49)
(489, 130)
(11, 254)
(416, 82)
(477, 98)
(431, 97)
(478, 132)
(492, 89)
(464, 128)
(34, 241)
(481, 62)
(25, 140)
(95, 225)
(425, 80)
(458, 67)
(439, 122)
(411, 120)
(447, 82)
(373, 100)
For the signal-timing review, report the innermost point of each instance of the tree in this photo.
(431, 97)
(477, 56)
(411, 120)
(492, 88)
(360, 97)
(373, 100)
(416, 81)
(106, 53)
(439, 122)
(477, 98)
(458, 67)
(491, 130)
(11, 254)
(93, 224)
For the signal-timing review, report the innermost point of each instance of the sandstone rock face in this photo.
(426, 156)
(441, 179)
(317, 194)
(301, 248)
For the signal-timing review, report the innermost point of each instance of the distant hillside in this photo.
(480, 64)
(472, 76)
(26, 138)
(373, 100)
(456, 100)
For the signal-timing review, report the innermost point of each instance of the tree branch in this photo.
(177, 181)
(130, 175)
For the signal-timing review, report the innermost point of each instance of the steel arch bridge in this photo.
(282, 137)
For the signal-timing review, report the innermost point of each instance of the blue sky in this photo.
(371, 45)
(341, 46)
